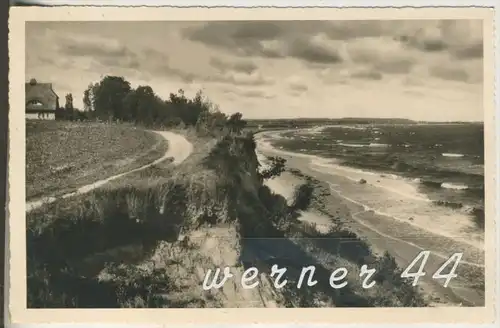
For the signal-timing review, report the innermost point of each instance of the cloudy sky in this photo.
(424, 70)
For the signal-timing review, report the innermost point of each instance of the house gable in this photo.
(40, 97)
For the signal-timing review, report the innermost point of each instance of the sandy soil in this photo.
(384, 234)
(179, 148)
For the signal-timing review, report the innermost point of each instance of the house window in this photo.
(35, 103)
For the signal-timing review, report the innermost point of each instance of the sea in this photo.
(430, 174)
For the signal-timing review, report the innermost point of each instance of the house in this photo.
(41, 100)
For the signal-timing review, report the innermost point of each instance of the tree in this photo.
(89, 97)
(141, 105)
(235, 123)
(146, 104)
(130, 105)
(109, 95)
(197, 107)
(219, 120)
(69, 102)
(189, 110)
(68, 107)
(211, 123)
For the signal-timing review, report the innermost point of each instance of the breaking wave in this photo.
(452, 155)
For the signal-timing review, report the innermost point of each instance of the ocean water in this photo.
(429, 175)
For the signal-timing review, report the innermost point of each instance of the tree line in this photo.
(114, 100)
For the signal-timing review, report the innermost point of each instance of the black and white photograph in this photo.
(255, 163)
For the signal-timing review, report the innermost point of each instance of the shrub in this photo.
(276, 167)
(303, 196)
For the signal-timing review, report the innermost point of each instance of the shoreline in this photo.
(403, 240)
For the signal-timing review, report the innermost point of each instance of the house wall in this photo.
(51, 101)
(34, 116)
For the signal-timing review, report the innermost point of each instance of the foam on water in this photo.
(373, 144)
(352, 145)
(449, 185)
(452, 155)
(349, 127)
(316, 129)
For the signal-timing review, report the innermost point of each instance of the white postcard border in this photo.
(16, 193)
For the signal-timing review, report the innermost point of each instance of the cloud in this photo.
(247, 67)
(110, 56)
(256, 37)
(252, 93)
(396, 66)
(238, 78)
(251, 30)
(110, 53)
(367, 75)
(470, 51)
(449, 73)
(415, 93)
(383, 55)
(296, 85)
(426, 39)
(107, 52)
(267, 39)
(463, 39)
(242, 37)
(299, 87)
(171, 72)
(314, 50)
(257, 94)
(44, 59)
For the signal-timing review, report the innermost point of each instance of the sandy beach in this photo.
(400, 237)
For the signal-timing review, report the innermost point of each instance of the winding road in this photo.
(179, 148)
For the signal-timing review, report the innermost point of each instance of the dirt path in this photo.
(179, 148)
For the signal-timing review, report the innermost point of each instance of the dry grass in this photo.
(125, 220)
(62, 156)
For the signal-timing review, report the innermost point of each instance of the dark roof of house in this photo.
(41, 93)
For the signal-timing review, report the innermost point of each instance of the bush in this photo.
(277, 166)
(303, 196)
(389, 274)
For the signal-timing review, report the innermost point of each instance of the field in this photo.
(62, 156)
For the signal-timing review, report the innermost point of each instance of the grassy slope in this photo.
(154, 233)
(61, 156)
